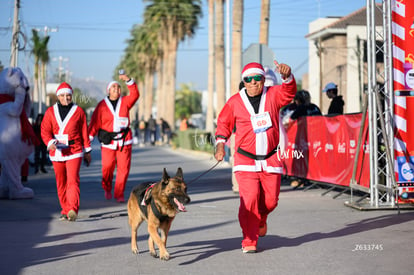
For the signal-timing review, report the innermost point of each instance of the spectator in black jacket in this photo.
(337, 103)
(304, 107)
(40, 156)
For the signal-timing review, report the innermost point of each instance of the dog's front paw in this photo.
(153, 254)
(165, 256)
(135, 250)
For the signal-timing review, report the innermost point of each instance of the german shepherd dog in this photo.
(157, 203)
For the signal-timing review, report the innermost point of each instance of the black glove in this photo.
(87, 158)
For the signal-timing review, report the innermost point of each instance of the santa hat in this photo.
(253, 68)
(110, 84)
(64, 88)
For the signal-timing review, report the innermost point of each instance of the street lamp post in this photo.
(61, 59)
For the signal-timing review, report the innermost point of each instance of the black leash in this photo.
(205, 172)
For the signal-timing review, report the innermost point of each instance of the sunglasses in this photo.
(249, 79)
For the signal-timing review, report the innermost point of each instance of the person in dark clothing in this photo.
(300, 107)
(304, 107)
(165, 131)
(152, 128)
(241, 85)
(142, 131)
(40, 156)
(337, 103)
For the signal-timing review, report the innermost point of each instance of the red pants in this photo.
(259, 194)
(122, 160)
(67, 183)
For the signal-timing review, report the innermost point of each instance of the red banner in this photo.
(403, 68)
(323, 148)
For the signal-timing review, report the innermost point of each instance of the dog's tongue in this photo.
(181, 206)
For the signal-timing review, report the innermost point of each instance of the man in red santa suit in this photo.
(254, 114)
(111, 116)
(65, 132)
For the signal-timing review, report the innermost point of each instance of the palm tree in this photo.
(44, 60)
(210, 105)
(219, 55)
(237, 44)
(140, 62)
(150, 47)
(41, 56)
(236, 66)
(178, 20)
(130, 66)
(264, 23)
(147, 55)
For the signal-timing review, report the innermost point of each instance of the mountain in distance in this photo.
(90, 87)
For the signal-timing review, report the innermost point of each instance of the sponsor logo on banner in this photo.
(405, 169)
(327, 146)
(403, 67)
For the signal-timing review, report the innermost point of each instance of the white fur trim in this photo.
(65, 158)
(253, 71)
(220, 141)
(253, 168)
(110, 84)
(130, 82)
(64, 91)
(289, 79)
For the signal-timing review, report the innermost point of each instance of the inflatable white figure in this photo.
(17, 137)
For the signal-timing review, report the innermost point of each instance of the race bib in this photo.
(121, 123)
(261, 122)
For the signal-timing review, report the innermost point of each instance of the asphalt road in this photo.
(307, 234)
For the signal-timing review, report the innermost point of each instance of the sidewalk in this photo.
(307, 233)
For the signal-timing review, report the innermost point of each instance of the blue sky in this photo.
(91, 34)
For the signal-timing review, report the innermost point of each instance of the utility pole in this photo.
(15, 35)
(228, 93)
(319, 53)
(264, 23)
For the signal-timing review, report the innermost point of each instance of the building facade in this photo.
(338, 53)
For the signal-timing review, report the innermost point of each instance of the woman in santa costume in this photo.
(65, 132)
(254, 113)
(110, 121)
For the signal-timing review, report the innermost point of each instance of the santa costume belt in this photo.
(256, 157)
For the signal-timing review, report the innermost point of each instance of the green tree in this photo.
(148, 54)
(44, 61)
(82, 100)
(140, 61)
(177, 20)
(41, 56)
(187, 101)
